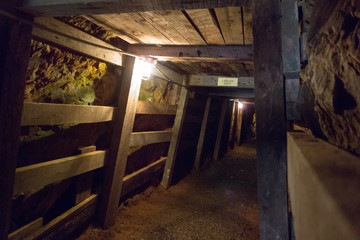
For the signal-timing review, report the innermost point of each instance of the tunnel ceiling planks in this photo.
(231, 25)
(219, 26)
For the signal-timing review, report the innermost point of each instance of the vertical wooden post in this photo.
(234, 125)
(85, 180)
(175, 137)
(238, 126)
(270, 120)
(118, 152)
(202, 135)
(220, 129)
(228, 125)
(14, 55)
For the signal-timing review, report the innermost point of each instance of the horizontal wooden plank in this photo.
(144, 138)
(155, 108)
(61, 227)
(26, 230)
(103, 53)
(89, 7)
(162, 71)
(52, 114)
(247, 95)
(178, 53)
(138, 178)
(36, 176)
(212, 81)
(323, 182)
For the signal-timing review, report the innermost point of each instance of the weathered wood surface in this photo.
(291, 56)
(247, 94)
(175, 138)
(179, 53)
(230, 21)
(238, 126)
(220, 129)
(159, 22)
(248, 25)
(84, 181)
(234, 124)
(212, 81)
(14, 55)
(75, 45)
(89, 7)
(200, 144)
(143, 107)
(52, 114)
(324, 189)
(102, 22)
(36, 176)
(64, 225)
(270, 120)
(138, 178)
(119, 147)
(26, 230)
(207, 25)
(144, 138)
(162, 71)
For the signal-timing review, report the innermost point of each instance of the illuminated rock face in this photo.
(333, 72)
(59, 76)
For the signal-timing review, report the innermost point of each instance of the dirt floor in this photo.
(219, 202)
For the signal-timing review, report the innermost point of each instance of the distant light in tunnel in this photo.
(240, 105)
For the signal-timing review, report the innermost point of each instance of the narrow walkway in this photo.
(217, 203)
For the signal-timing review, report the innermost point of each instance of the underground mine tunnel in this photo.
(180, 119)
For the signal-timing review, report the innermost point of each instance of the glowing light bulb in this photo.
(143, 68)
(240, 105)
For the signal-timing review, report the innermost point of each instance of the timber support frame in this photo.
(271, 122)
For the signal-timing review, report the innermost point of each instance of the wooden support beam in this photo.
(26, 230)
(143, 107)
(90, 7)
(220, 130)
(145, 138)
(14, 55)
(36, 176)
(291, 56)
(200, 144)
(138, 178)
(221, 81)
(164, 72)
(323, 182)
(84, 181)
(67, 223)
(201, 52)
(240, 94)
(175, 138)
(270, 120)
(234, 124)
(103, 53)
(119, 147)
(238, 126)
(52, 114)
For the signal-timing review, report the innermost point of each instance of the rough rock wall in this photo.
(59, 76)
(333, 70)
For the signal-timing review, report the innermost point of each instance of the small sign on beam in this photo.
(227, 82)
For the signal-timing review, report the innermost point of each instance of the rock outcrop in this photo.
(333, 71)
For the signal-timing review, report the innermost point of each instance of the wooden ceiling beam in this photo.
(221, 81)
(184, 52)
(90, 7)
